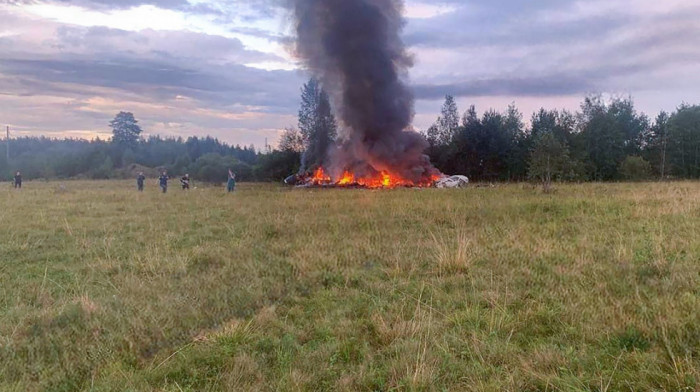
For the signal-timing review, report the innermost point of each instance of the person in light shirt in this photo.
(231, 185)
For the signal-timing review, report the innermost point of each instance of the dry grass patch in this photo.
(483, 289)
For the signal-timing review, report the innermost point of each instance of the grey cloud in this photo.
(176, 46)
(506, 22)
(529, 55)
(155, 64)
(559, 85)
(236, 84)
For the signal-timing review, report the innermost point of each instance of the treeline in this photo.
(206, 159)
(603, 141)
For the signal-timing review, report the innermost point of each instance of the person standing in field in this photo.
(185, 181)
(140, 181)
(18, 180)
(163, 180)
(231, 185)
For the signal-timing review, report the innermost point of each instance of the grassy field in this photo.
(593, 288)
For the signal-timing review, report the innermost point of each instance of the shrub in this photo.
(635, 168)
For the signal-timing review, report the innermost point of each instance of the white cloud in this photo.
(424, 10)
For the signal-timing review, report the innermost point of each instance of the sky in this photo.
(223, 67)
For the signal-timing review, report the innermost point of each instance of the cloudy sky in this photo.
(221, 67)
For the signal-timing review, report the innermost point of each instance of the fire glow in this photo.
(382, 179)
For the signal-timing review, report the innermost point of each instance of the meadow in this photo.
(595, 287)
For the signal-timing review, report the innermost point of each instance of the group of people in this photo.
(162, 181)
(184, 181)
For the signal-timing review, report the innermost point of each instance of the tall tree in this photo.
(515, 144)
(684, 141)
(316, 124)
(448, 122)
(548, 159)
(611, 132)
(656, 144)
(443, 134)
(125, 129)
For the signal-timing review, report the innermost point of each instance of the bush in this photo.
(277, 165)
(635, 168)
(214, 168)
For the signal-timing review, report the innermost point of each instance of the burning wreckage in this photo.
(319, 179)
(354, 49)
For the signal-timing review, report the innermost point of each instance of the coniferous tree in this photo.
(448, 122)
(656, 144)
(317, 124)
(684, 141)
(125, 129)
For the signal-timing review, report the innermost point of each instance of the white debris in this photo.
(452, 182)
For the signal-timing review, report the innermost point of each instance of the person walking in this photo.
(163, 180)
(185, 181)
(140, 181)
(18, 180)
(231, 185)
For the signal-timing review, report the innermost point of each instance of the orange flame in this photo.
(383, 179)
(320, 177)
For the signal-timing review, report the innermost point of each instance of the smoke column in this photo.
(354, 48)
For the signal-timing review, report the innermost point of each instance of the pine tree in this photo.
(316, 124)
(125, 129)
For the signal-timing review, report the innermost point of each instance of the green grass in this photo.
(593, 288)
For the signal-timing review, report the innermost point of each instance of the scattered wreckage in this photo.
(319, 179)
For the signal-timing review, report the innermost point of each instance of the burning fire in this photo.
(382, 179)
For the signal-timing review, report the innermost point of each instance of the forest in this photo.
(605, 140)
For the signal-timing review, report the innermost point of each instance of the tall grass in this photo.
(594, 288)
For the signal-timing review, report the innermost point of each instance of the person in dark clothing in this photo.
(185, 181)
(163, 180)
(140, 180)
(18, 180)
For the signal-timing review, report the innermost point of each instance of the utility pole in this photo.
(7, 142)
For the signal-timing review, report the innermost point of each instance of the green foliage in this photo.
(684, 141)
(104, 170)
(632, 339)
(548, 159)
(492, 146)
(125, 129)
(292, 140)
(635, 168)
(316, 124)
(447, 125)
(213, 167)
(277, 165)
(611, 132)
(49, 158)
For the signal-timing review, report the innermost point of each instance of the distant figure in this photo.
(185, 181)
(18, 180)
(140, 180)
(163, 180)
(231, 185)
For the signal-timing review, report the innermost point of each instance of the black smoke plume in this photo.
(354, 48)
